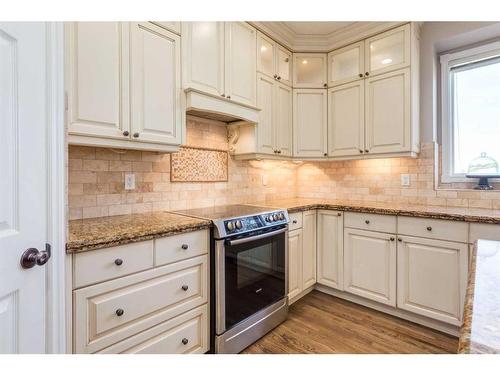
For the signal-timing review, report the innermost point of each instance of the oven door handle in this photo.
(253, 238)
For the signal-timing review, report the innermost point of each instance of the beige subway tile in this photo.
(90, 212)
(163, 167)
(95, 165)
(81, 152)
(142, 166)
(82, 177)
(107, 154)
(480, 203)
(139, 208)
(76, 201)
(120, 166)
(102, 188)
(131, 155)
(75, 213)
(106, 177)
(75, 189)
(120, 209)
(108, 199)
(75, 164)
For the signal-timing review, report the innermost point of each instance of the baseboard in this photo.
(300, 295)
(427, 322)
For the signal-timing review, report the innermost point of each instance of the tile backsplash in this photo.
(96, 180)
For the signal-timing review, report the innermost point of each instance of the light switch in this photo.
(129, 181)
(405, 179)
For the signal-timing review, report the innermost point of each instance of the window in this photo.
(470, 82)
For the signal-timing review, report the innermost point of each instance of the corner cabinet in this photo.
(124, 86)
(330, 249)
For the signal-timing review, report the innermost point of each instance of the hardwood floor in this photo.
(319, 323)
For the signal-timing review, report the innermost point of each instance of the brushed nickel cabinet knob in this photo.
(392, 238)
(361, 75)
(367, 74)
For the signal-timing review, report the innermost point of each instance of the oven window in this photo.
(255, 277)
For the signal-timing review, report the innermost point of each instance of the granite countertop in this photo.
(97, 233)
(434, 212)
(480, 332)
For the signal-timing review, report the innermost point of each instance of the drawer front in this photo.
(295, 221)
(433, 228)
(480, 231)
(184, 334)
(105, 264)
(109, 312)
(180, 247)
(378, 223)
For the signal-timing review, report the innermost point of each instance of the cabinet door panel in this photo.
(283, 122)
(310, 122)
(309, 70)
(203, 56)
(265, 55)
(432, 275)
(370, 265)
(330, 259)
(240, 66)
(266, 102)
(309, 249)
(294, 263)
(97, 78)
(346, 119)
(346, 64)
(388, 112)
(155, 87)
(284, 65)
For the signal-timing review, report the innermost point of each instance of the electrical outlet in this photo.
(405, 179)
(129, 181)
(265, 180)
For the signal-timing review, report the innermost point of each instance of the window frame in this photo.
(449, 61)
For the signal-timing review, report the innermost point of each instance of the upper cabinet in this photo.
(309, 70)
(123, 85)
(346, 64)
(388, 51)
(219, 59)
(273, 60)
(174, 26)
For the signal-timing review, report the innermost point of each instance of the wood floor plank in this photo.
(320, 323)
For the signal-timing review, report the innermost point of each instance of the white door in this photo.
(309, 249)
(309, 70)
(155, 87)
(240, 62)
(310, 122)
(283, 123)
(330, 258)
(294, 263)
(370, 265)
(23, 190)
(265, 56)
(388, 112)
(346, 119)
(203, 56)
(346, 64)
(432, 277)
(97, 79)
(266, 102)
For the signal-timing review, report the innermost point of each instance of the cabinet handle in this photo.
(185, 341)
(367, 74)
(287, 59)
(294, 221)
(184, 246)
(229, 96)
(118, 262)
(275, 76)
(119, 312)
(279, 151)
(279, 77)
(367, 151)
(360, 151)
(339, 214)
(136, 135)
(429, 228)
(223, 95)
(400, 239)
(185, 287)
(325, 85)
(126, 133)
(367, 221)
(392, 238)
(325, 154)
(360, 75)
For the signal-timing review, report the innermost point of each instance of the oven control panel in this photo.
(249, 223)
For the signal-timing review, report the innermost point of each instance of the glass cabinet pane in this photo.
(387, 51)
(346, 64)
(265, 51)
(310, 71)
(284, 64)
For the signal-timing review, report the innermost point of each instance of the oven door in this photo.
(250, 275)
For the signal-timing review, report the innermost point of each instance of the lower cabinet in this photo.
(432, 276)
(294, 263)
(330, 249)
(370, 265)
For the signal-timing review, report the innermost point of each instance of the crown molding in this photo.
(322, 43)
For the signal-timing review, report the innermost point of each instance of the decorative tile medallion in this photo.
(199, 165)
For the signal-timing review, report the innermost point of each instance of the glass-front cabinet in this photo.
(309, 70)
(346, 64)
(273, 60)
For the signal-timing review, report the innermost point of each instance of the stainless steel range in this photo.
(249, 276)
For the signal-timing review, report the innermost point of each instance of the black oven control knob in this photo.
(238, 224)
(230, 226)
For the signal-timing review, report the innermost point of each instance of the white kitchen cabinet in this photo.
(240, 62)
(388, 51)
(97, 78)
(203, 56)
(284, 65)
(174, 26)
(370, 265)
(294, 263)
(273, 60)
(346, 119)
(310, 123)
(432, 276)
(330, 249)
(309, 70)
(283, 119)
(155, 85)
(388, 112)
(346, 64)
(309, 249)
(266, 101)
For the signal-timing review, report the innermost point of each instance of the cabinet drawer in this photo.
(96, 266)
(433, 228)
(110, 312)
(180, 247)
(295, 221)
(169, 337)
(480, 231)
(378, 223)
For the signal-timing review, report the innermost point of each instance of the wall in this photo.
(96, 179)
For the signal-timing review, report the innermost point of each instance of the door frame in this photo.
(56, 322)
